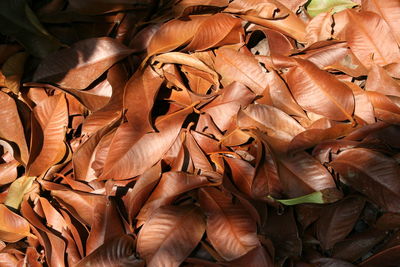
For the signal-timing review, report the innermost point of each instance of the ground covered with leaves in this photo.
(200, 133)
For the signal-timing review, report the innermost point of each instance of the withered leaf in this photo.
(170, 234)
(78, 66)
(230, 229)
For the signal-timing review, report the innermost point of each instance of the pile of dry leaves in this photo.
(200, 133)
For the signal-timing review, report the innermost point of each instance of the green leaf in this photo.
(328, 195)
(17, 191)
(316, 7)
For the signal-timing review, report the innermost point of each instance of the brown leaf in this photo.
(48, 137)
(8, 172)
(11, 127)
(281, 96)
(337, 221)
(283, 232)
(254, 258)
(330, 97)
(237, 66)
(319, 28)
(130, 155)
(372, 174)
(135, 198)
(357, 245)
(186, 7)
(390, 255)
(12, 226)
(230, 229)
(271, 14)
(170, 234)
(77, 67)
(388, 10)
(380, 81)
(242, 173)
(301, 174)
(171, 185)
(98, 7)
(140, 93)
(117, 76)
(224, 107)
(119, 252)
(370, 39)
(107, 225)
(80, 204)
(271, 120)
(312, 137)
(219, 29)
(363, 108)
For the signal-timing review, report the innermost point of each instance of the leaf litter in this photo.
(199, 133)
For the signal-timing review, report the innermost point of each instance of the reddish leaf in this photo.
(380, 81)
(106, 225)
(130, 155)
(236, 66)
(12, 226)
(230, 229)
(367, 34)
(140, 93)
(371, 173)
(271, 120)
(135, 198)
(119, 252)
(79, 204)
(264, 12)
(77, 67)
(224, 107)
(388, 10)
(282, 230)
(389, 256)
(170, 234)
(171, 185)
(301, 174)
(48, 137)
(254, 258)
(11, 127)
(330, 97)
(337, 221)
(357, 245)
